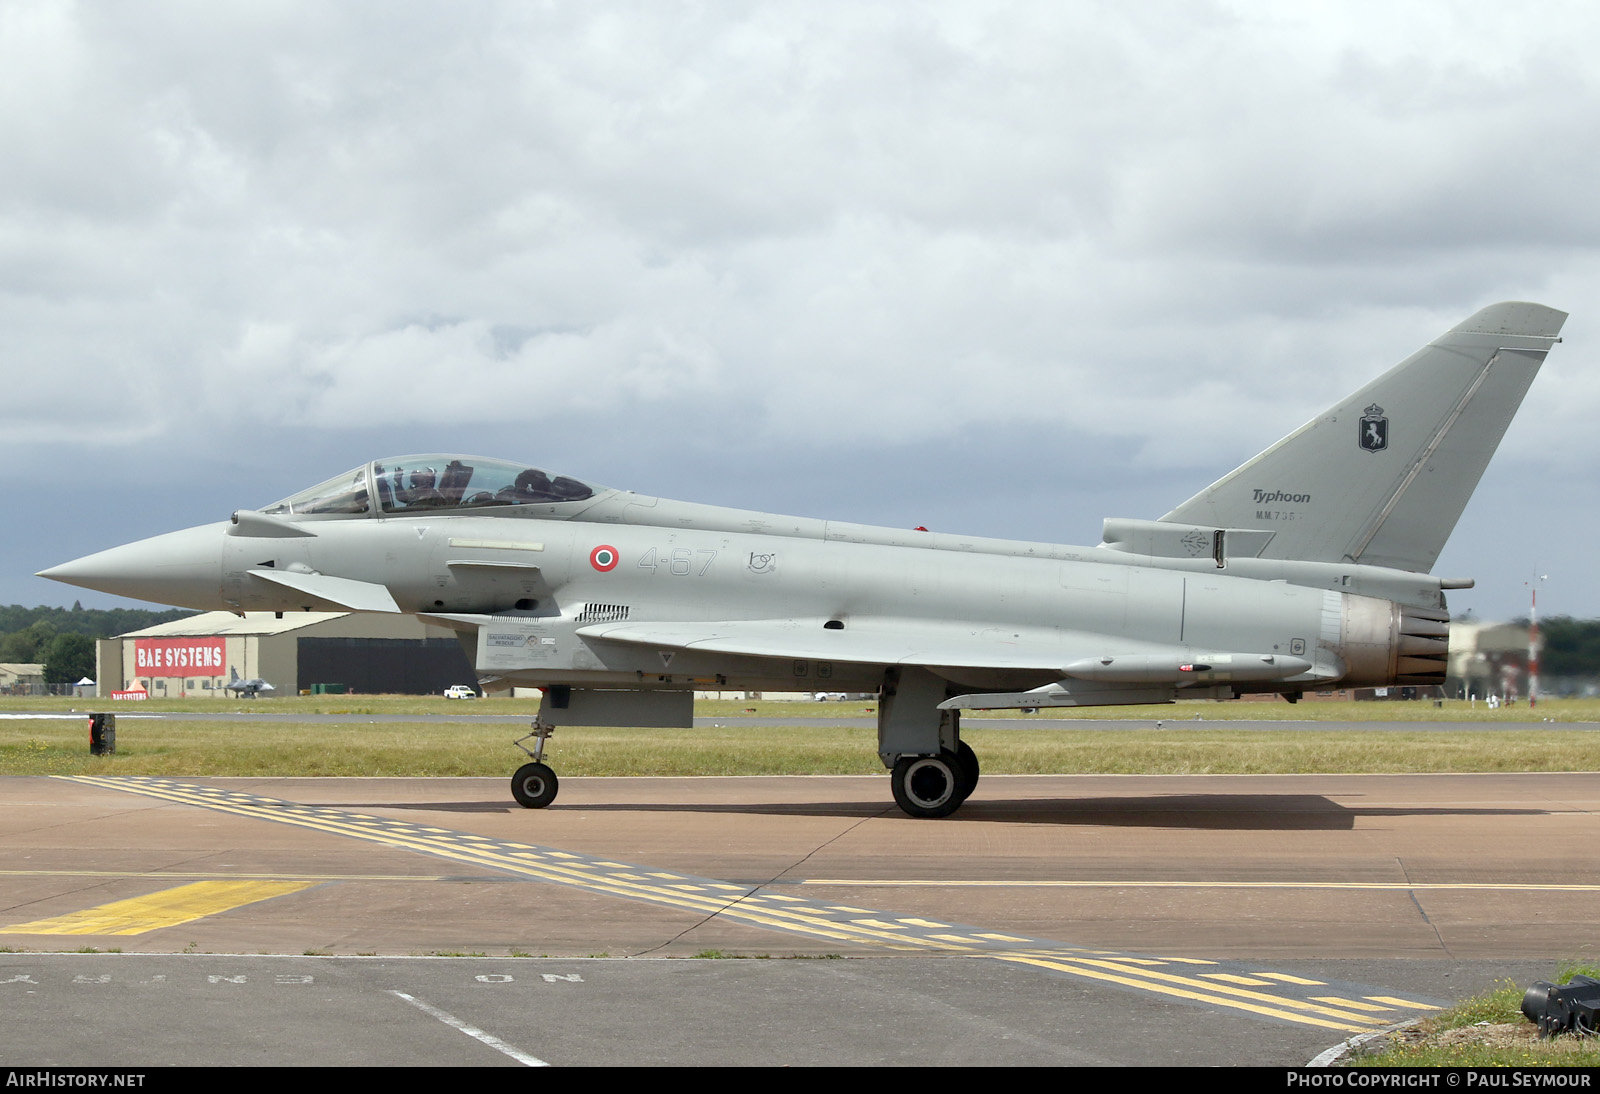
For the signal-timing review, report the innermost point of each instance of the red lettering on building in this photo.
(179, 657)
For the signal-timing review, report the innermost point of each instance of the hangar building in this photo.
(21, 679)
(366, 653)
(1488, 659)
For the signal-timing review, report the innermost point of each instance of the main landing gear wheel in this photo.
(967, 763)
(928, 786)
(534, 786)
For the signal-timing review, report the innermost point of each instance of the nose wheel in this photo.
(534, 786)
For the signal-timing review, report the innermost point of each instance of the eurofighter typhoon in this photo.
(1307, 567)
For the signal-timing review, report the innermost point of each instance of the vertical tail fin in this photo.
(1382, 477)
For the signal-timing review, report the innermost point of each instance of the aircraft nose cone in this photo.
(183, 568)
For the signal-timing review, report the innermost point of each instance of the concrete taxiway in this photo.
(1258, 916)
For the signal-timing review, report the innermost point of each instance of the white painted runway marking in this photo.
(472, 1031)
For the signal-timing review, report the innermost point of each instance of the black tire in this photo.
(534, 786)
(967, 763)
(927, 786)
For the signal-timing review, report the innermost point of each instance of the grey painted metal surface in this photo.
(1304, 568)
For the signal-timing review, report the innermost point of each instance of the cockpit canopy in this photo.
(431, 484)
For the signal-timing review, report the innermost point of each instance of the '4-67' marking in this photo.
(680, 561)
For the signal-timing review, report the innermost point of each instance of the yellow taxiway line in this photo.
(166, 908)
(211, 874)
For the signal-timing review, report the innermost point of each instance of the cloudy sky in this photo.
(996, 268)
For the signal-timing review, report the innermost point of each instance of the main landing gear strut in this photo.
(931, 769)
(535, 784)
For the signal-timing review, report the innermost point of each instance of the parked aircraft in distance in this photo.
(1307, 567)
(251, 687)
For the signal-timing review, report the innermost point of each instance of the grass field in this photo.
(1194, 738)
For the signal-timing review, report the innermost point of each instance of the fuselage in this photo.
(529, 587)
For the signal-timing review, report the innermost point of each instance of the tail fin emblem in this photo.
(1374, 435)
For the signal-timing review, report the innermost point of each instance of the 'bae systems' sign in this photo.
(178, 656)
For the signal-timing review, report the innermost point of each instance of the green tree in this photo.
(27, 646)
(1571, 646)
(26, 632)
(68, 658)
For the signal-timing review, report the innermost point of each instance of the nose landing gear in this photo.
(535, 784)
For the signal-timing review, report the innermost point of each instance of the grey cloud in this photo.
(1168, 232)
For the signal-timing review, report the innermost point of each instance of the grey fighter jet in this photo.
(252, 687)
(1307, 567)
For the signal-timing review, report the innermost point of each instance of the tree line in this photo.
(1569, 647)
(62, 639)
